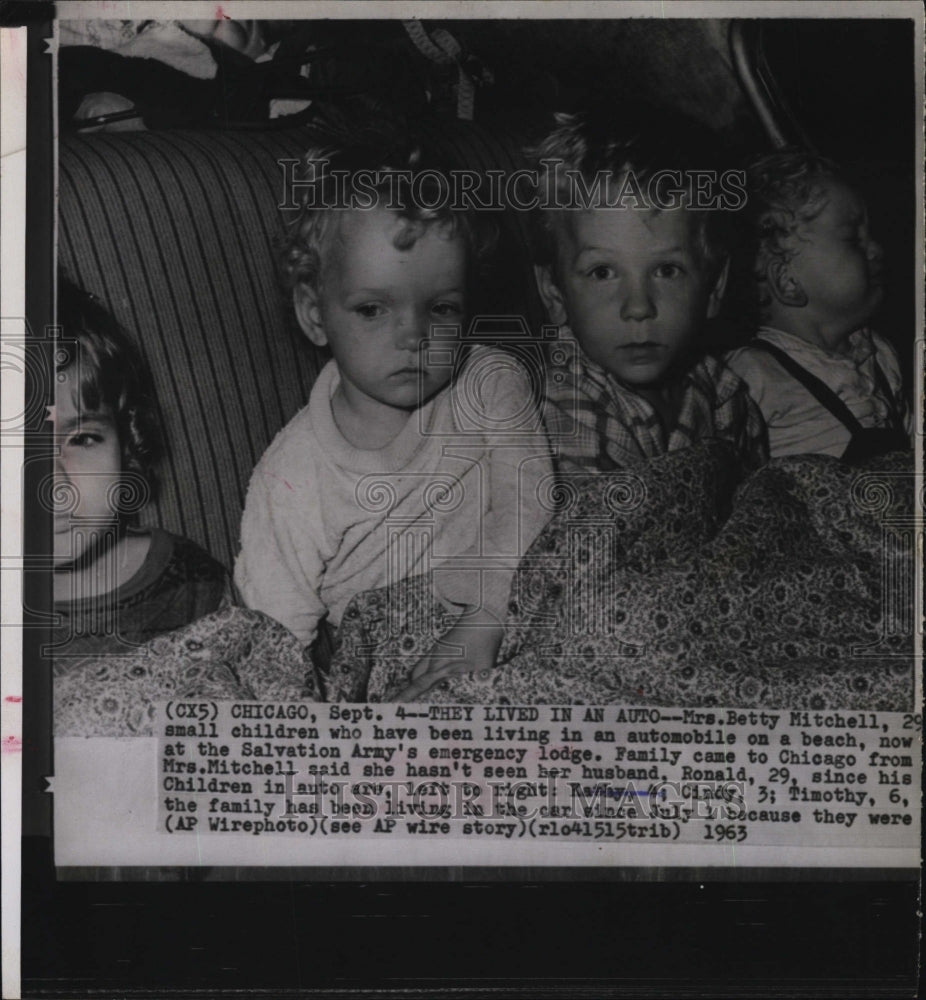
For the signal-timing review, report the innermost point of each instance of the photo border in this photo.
(39, 255)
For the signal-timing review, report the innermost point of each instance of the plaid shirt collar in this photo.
(596, 422)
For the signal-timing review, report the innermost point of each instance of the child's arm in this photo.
(738, 414)
(516, 458)
(279, 570)
(769, 394)
(515, 463)
(757, 369)
(478, 638)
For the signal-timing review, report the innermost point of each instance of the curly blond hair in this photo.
(785, 190)
(375, 165)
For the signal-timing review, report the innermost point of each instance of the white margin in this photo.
(12, 288)
(488, 9)
(12, 379)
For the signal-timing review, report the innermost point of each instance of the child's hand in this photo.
(480, 635)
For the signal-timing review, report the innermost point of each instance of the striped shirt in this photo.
(595, 423)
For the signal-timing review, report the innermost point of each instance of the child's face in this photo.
(836, 264)
(376, 307)
(633, 287)
(90, 464)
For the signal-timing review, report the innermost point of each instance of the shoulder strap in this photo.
(818, 389)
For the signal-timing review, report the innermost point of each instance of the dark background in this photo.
(850, 84)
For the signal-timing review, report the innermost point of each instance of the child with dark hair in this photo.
(631, 262)
(116, 584)
(415, 447)
(825, 382)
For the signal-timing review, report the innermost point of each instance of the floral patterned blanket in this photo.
(665, 585)
(649, 587)
(229, 655)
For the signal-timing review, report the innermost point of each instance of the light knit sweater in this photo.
(797, 423)
(456, 491)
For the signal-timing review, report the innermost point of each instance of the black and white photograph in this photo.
(462, 446)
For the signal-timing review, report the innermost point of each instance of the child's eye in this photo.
(601, 272)
(447, 309)
(84, 439)
(668, 271)
(369, 310)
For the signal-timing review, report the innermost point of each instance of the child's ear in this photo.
(308, 314)
(551, 295)
(785, 288)
(720, 286)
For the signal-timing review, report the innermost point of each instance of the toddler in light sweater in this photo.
(416, 452)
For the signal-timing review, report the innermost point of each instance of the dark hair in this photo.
(111, 375)
(784, 191)
(645, 141)
(384, 153)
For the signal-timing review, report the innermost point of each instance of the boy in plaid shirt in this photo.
(630, 264)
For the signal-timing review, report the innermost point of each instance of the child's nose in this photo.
(637, 303)
(411, 329)
(875, 250)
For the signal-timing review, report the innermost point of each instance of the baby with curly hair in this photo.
(416, 450)
(825, 382)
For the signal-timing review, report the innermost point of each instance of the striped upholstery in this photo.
(173, 231)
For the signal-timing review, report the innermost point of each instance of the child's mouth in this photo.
(641, 352)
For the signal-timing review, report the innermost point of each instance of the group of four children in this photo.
(419, 452)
